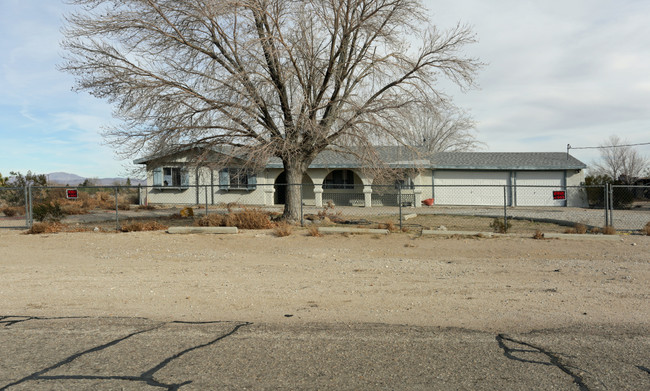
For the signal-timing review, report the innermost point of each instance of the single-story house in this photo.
(449, 178)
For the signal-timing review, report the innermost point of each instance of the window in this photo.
(170, 177)
(339, 179)
(237, 179)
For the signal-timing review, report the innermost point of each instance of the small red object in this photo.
(428, 202)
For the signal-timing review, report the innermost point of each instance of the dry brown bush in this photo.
(136, 226)
(213, 220)
(146, 207)
(283, 229)
(46, 228)
(646, 229)
(312, 230)
(11, 211)
(246, 219)
(609, 230)
(187, 212)
(249, 219)
(580, 228)
(538, 235)
(389, 225)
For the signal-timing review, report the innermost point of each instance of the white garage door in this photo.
(540, 188)
(470, 187)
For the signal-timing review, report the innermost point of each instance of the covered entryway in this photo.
(280, 186)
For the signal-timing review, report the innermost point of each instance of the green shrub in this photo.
(499, 226)
(50, 212)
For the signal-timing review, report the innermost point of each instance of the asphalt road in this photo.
(143, 354)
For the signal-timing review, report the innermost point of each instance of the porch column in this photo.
(269, 195)
(418, 196)
(367, 196)
(318, 193)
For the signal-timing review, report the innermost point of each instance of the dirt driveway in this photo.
(499, 284)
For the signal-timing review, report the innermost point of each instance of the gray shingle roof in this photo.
(396, 156)
(403, 157)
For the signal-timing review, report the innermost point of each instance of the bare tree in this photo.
(283, 78)
(440, 128)
(619, 161)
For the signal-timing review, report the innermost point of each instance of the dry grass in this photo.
(580, 228)
(187, 212)
(283, 229)
(145, 207)
(11, 211)
(246, 219)
(609, 230)
(137, 226)
(389, 225)
(646, 229)
(312, 230)
(538, 235)
(45, 228)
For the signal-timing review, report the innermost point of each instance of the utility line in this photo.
(568, 146)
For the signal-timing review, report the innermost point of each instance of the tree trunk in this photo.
(294, 171)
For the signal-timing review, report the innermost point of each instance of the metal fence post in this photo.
(399, 202)
(26, 207)
(505, 208)
(31, 207)
(611, 205)
(302, 202)
(606, 203)
(206, 200)
(117, 215)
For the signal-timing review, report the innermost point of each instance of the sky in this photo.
(556, 73)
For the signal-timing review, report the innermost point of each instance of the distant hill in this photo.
(65, 178)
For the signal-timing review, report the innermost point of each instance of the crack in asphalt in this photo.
(10, 320)
(146, 377)
(530, 348)
(644, 369)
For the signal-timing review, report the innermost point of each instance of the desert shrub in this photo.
(136, 226)
(245, 219)
(249, 219)
(11, 211)
(389, 225)
(50, 212)
(609, 230)
(538, 235)
(646, 229)
(594, 230)
(146, 207)
(213, 220)
(187, 212)
(123, 205)
(312, 230)
(46, 228)
(499, 226)
(283, 229)
(580, 228)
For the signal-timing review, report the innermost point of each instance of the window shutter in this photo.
(224, 179)
(157, 176)
(185, 178)
(252, 181)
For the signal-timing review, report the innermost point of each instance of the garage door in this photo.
(540, 188)
(470, 187)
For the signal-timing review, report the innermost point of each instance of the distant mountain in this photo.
(65, 178)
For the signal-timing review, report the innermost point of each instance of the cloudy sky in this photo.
(557, 73)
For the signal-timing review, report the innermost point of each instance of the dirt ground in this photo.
(488, 284)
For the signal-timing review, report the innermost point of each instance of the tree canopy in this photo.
(282, 78)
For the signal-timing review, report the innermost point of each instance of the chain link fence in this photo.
(524, 209)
